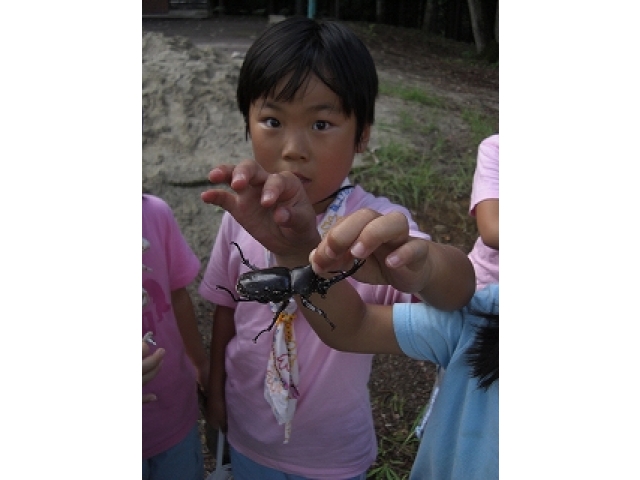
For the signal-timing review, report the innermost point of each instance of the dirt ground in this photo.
(191, 123)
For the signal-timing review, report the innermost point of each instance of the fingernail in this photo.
(238, 176)
(358, 250)
(393, 260)
(329, 253)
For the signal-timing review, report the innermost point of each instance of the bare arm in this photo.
(222, 331)
(360, 327)
(440, 275)
(488, 221)
(450, 278)
(188, 326)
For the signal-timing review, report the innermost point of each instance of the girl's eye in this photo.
(321, 125)
(271, 122)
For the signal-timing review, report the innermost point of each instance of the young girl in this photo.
(460, 441)
(292, 407)
(171, 447)
(485, 208)
(484, 256)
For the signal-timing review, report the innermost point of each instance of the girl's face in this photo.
(309, 136)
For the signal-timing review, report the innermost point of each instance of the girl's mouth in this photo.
(304, 180)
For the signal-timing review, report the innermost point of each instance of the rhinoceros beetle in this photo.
(279, 284)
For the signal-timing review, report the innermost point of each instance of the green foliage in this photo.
(413, 179)
(396, 450)
(411, 94)
(481, 125)
(397, 172)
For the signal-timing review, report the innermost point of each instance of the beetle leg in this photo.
(237, 299)
(244, 260)
(283, 305)
(324, 285)
(307, 303)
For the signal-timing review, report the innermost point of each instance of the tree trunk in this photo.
(428, 13)
(496, 28)
(478, 25)
(379, 11)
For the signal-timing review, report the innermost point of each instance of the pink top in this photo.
(332, 431)
(485, 186)
(173, 265)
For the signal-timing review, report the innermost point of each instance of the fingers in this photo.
(391, 230)
(149, 397)
(412, 253)
(281, 187)
(245, 175)
(292, 207)
(221, 174)
(361, 234)
(271, 189)
(146, 349)
(150, 367)
(151, 364)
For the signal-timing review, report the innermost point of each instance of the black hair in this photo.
(483, 355)
(301, 46)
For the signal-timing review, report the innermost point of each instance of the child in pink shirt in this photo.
(294, 408)
(484, 207)
(171, 447)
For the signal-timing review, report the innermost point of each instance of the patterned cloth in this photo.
(282, 379)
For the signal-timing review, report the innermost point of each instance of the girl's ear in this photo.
(364, 139)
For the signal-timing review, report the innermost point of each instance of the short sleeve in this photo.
(486, 176)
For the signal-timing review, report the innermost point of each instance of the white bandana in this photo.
(282, 379)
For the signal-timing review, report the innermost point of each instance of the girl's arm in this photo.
(488, 222)
(484, 205)
(440, 275)
(359, 327)
(449, 278)
(188, 326)
(222, 331)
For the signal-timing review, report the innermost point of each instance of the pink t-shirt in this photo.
(485, 186)
(332, 431)
(166, 421)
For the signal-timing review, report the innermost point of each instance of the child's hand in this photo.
(393, 257)
(216, 412)
(150, 368)
(273, 208)
(203, 375)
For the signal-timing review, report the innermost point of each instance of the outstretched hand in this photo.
(151, 363)
(273, 208)
(393, 257)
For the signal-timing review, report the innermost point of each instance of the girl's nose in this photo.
(296, 146)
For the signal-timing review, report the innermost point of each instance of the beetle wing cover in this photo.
(265, 286)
